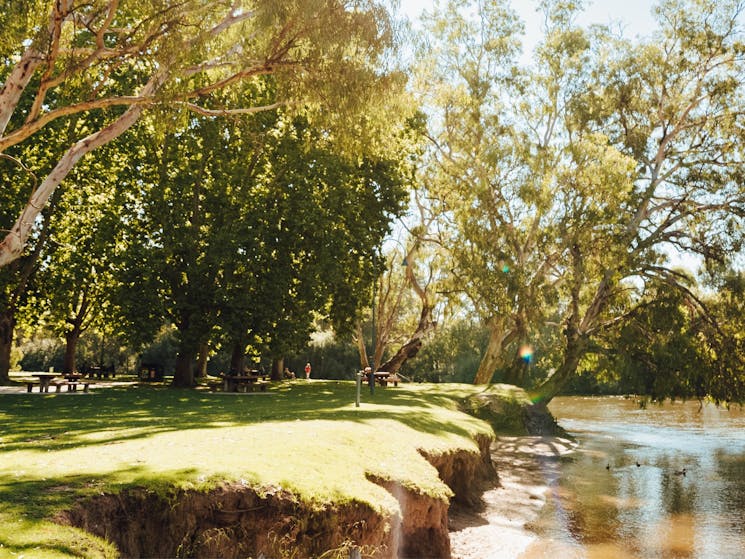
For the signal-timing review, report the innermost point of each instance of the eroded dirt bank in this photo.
(229, 522)
(235, 521)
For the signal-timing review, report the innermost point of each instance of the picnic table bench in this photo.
(72, 385)
(244, 383)
(383, 378)
(71, 380)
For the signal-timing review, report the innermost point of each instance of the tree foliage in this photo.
(67, 58)
(570, 182)
(247, 229)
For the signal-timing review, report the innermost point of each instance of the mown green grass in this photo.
(306, 437)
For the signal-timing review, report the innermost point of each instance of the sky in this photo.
(635, 16)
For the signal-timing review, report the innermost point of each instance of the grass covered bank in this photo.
(304, 438)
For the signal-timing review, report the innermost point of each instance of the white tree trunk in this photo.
(14, 242)
(493, 354)
(16, 84)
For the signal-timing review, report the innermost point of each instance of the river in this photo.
(665, 482)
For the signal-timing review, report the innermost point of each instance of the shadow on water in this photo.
(670, 484)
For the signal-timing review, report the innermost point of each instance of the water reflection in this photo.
(667, 482)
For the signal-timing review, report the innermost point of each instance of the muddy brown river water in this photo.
(665, 482)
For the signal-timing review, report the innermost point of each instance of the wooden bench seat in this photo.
(72, 385)
(244, 383)
(253, 385)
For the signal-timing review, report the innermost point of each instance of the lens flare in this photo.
(526, 353)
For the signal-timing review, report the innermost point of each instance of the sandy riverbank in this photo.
(527, 466)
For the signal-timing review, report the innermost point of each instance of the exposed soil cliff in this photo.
(235, 521)
(229, 522)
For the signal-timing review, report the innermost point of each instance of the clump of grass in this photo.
(305, 437)
(502, 406)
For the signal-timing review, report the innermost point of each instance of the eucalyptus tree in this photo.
(672, 105)
(491, 180)
(406, 293)
(20, 170)
(571, 181)
(63, 58)
(15, 278)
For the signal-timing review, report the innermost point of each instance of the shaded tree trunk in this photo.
(552, 386)
(576, 331)
(23, 270)
(7, 326)
(202, 358)
(410, 349)
(71, 346)
(517, 372)
(238, 357)
(77, 324)
(183, 376)
(278, 366)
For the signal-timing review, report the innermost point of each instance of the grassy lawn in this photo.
(307, 437)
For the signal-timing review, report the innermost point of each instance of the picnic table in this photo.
(71, 380)
(45, 379)
(244, 383)
(383, 378)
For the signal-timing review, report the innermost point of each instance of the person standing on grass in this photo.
(307, 371)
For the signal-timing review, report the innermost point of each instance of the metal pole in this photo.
(359, 385)
(371, 379)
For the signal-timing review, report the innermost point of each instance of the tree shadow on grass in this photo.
(37, 499)
(29, 505)
(55, 422)
(47, 546)
(47, 423)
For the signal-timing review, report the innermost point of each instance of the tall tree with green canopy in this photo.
(252, 227)
(726, 380)
(314, 212)
(76, 276)
(607, 156)
(673, 105)
(335, 210)
(491, 179)
(20, 167)
(178, 235)
(64, 58)
(661, 350)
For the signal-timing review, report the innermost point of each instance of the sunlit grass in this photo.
(306, 437)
